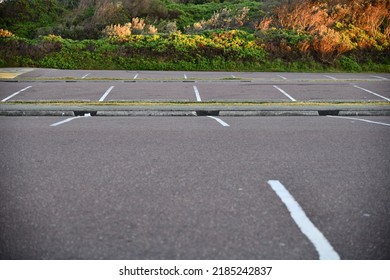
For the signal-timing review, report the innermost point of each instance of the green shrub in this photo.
(349, 64)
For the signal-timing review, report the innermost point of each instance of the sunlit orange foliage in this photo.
(117, 31)
(335, 26)
(4, 33)
(264, 24)
(138, 25)
(304, 16)
(152, 30)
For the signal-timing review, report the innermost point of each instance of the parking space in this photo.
(152, 91)
(8, 89)
(336, 91)
(56, 91)
(239, 91)
(189, 188)
(381, 89)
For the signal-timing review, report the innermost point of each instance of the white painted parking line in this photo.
(330, 77)
(358, 119)
(280, 76)
(185, 76)
(136, 75)
(379, 77)
(86, 75)
(70, 119)
(197, 94)
(285, 93)
(369, 91)
(321, 244)
(219, 120)
(16, 93)
(233, 76)
(106, 93)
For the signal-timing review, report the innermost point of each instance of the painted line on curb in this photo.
(321, 244)
(358, 119)
(330, 77)
(285, 93)
(16, 93)
(197, 94)
(369, 91)
(106, 93)
(219, 120)
(70, 119)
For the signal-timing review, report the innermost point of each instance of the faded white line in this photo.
(86, 75)
(369, 91)
(285, 93)
(233, 76)
(358, 119)
(197, 94)
(379, 77)
(185, 76)
(219, 120)
(70, 119)
(16, 93)
(136, 75)
(280, 76)
(65, 121)
(321, 244)
(330, 77)
(106, 93)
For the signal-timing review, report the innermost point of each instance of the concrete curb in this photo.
(36, 113)
(231, 111)
(145, 113)
(268, 113)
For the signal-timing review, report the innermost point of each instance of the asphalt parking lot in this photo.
(193, 188)
(46, 84)
(77, 184)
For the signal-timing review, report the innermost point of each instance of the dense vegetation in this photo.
(276, 35)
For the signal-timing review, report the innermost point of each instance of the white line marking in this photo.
(233, 76)
(106, 93)
(219, 120)
(321, 244)
(70, 119)
(136, 75)
(65, 121)
(379, 77)
(14, 94)
(284, 78)
(358, 119)
(185, 76)
(197, 94)
(369, 91)
(330, 77)
(86, 75)
(285, 93)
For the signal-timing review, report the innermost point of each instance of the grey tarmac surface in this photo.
(190, 188)
(51, 84)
